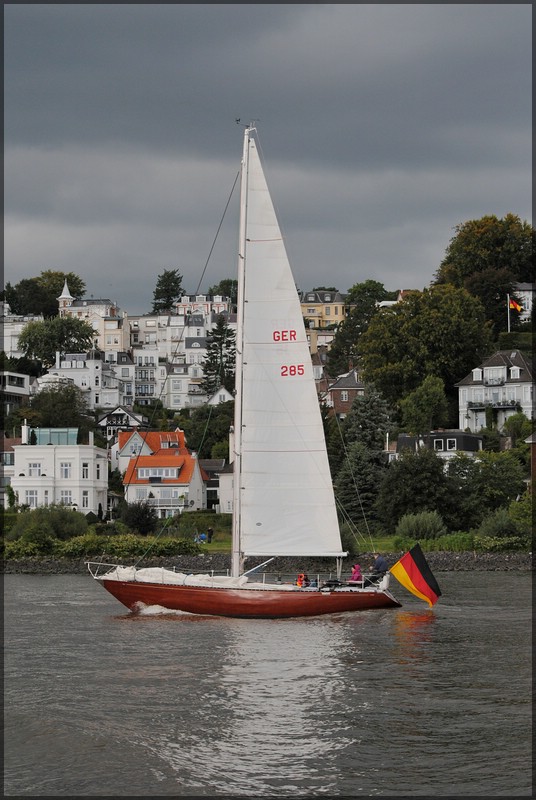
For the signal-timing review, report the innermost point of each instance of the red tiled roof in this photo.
(155, 440)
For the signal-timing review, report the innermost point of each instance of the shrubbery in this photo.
(92, 545)
(425, 525)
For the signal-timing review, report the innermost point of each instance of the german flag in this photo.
(515, 305)
(413, 572)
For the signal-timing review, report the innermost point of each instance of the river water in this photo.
(403, 702)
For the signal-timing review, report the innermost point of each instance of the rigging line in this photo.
(157, 536)
(354, 481)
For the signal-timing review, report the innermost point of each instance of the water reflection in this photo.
(267, 710)
(413, 633)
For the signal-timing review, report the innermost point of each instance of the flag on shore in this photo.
(413, 572)
(515, 305)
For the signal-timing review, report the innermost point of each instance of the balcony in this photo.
(480, 404)
(494, 381)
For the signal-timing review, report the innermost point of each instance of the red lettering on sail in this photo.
(284, 336)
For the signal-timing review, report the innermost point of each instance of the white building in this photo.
(105, 384)
(57, 471)
(502, 384)
(12, 325)
(108, 322)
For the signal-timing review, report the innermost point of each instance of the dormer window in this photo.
(515, 373)
(477, 374)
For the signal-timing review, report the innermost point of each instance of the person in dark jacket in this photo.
(380, 565)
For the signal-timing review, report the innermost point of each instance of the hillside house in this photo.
(159, 469)
(502, 384)
(445, 443)
(342, 393)
(55, 470)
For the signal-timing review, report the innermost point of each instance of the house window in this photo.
(65, 469)
(344, 396)
(97, 471)
(451, 444)
(45, 500)
(66, 497)
(31, 498)
(141, 493)
(438, 444)
(97, 398)
(85, 470)
(34, 469)
(85, 499)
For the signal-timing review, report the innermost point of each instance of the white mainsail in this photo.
(284, 501)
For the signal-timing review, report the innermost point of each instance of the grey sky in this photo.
(382, 128)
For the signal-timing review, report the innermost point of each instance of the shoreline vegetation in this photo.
(220, 562)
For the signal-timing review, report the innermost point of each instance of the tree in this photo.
(228, 287)
(425, 408)
(140, 517)
(414, 482)
(344, 350)
(168, 290)
(356, 484)
(41, 340)
(40, 295)
(206, 426)
(60, 406)
(440, 331)
(219, 362)
(488, 243)
(367, 422)
(487, 257)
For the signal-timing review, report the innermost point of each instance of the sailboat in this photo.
(283, 499)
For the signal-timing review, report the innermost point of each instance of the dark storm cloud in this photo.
(383, 127)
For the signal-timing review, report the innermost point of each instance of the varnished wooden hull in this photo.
(249, 603)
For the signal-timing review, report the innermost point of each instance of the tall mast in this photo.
(236, 551)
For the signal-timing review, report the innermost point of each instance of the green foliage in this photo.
(363, 297)
(487, 257)
(367, 421)
(516, 340)
(500, 478)
(521, 512)
(356, 484)
(457, 542)
(41, 340)
(424, 525)
(220, 359)
(139, 517)
(62, 407)
(426, 408)
(440, 332)
(518, 427)
(40, 295)
(207, 425)
(48, 522)
(228, 287)
(167, 291)
(20, 549)
(413, 483)
(498, 525)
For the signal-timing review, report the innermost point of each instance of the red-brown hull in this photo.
(254, 603)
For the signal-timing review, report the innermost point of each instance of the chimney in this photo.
(91, 438)
(25, 432)
(58, 357)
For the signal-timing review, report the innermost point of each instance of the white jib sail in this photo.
(287, 505)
